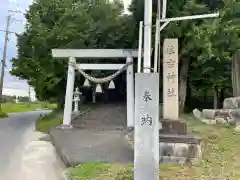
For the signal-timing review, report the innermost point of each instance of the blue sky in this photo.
(12, 85)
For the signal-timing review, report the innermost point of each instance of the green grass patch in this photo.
(89, 171)
(3, 114)
(24, 107)
(221, 158)
(46, 123)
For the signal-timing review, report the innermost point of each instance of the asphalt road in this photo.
(12, 131)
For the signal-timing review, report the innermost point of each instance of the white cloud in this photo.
(19, 92)
(12, 1)
(16, 92)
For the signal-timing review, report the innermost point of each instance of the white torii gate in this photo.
(110, 54)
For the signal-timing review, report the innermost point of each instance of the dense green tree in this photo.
(183, 30)
(66, 24)
(218, 41)
(206, 46)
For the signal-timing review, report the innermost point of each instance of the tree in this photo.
(218, 42)
(206, 45)
(66, 24)
(183, 30)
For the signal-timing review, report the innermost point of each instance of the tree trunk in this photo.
(236, 74)
(183, 84)
(215, 98)
(205, 95)
(222, 97)
(60, 104)
(188, 98)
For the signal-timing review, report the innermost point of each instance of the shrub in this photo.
(47, 122)
(3, 114)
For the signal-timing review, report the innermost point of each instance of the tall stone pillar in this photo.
(170, 79)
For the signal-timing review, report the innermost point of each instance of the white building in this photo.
(10, 91)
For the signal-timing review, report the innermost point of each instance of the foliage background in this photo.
(206, 46)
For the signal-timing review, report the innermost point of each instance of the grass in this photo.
(220, 161)
(24, 107)
(52, 120)
(3, 114)
(89, 171)
(46, 123)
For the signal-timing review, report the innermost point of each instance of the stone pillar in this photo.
(76, 100)
(170, 79)
(130, 94)
(146, 126)
(69, 94)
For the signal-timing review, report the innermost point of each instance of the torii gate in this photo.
(110, 54)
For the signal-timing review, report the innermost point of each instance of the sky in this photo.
(12, 85)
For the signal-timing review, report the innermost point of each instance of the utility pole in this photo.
(29, 96)
(4, 57)
(7, 32)
(29, 93)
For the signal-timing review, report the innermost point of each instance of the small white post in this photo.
(69, 94)
(157, 41)
(140, 46)
(16, 100)
(130, 94)
(157, 45)
(147, 35)
(164, 8)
